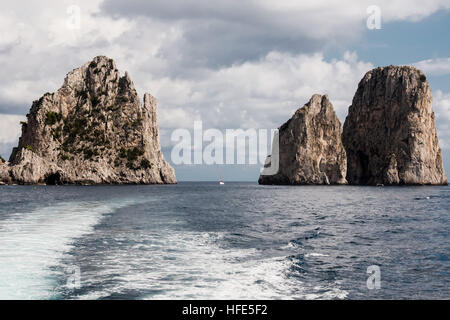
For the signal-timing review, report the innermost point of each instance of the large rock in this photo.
(4, 173)
(310, 147)
(93, 130)
(390, 134)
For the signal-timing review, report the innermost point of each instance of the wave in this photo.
(33, 243)
(195, 265)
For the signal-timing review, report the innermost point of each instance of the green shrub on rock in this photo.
(52, 118)
(145, 164)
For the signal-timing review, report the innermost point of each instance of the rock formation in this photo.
(93, 130)
(390, 134)
(310, 147)
(4, 174)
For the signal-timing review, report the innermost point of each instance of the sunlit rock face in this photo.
(93, 130)
(310, 147)
(390, 133)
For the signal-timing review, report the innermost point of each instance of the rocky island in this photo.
(93, 130)
(390, 133)
(310, 147)
(389, 136)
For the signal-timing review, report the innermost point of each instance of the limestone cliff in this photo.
(310, 147)
(389, 133)
(93, 130)
(4, 173)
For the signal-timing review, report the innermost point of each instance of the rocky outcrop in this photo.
(310, 147)
(390, 134)
(4, 173)
(93, 130)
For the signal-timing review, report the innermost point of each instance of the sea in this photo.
(202, 240)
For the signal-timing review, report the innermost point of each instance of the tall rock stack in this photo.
(93, 130)
(390, 134)
(310, 147)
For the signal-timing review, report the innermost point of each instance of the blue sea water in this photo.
(235, 241)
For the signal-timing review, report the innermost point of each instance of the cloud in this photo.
(10, 127)
(5, 149)
(434, 67)
(220, 33)
(223, 32)
(37, 48)
(171, 42)
(259, 94)
(441, 107)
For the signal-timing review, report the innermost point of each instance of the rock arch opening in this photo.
(53, 179)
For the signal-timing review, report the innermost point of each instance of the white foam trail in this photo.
(192, 265)
(172, 264)
(31, 243)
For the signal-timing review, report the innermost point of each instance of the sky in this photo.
(229, 63)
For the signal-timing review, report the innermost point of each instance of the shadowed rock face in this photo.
(310, 147)
(93, 130)
(390, 134)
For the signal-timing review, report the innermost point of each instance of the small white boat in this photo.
(221, 182)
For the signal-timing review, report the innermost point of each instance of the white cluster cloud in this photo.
(11, 127)
(262, 93)
(37, 47)
(223, 32)
(441, 107)
(434, 67)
